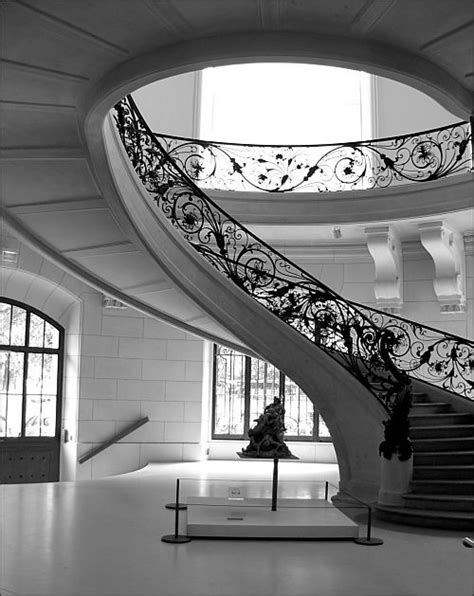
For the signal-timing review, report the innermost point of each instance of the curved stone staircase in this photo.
(442, 489)
(340, 328)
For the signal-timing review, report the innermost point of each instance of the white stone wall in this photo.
(134, 366)
(351, 272)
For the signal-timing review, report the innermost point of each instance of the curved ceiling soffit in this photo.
(35, 280)
(29, 238)
(373, 57)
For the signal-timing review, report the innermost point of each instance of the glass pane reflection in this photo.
(11, 390)
(36, 331)
(18, 326)
(5, 320)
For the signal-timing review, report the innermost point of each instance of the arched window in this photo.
(31, 355)
(243, 386)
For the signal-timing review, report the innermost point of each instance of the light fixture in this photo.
(109, 302)
(9, 256)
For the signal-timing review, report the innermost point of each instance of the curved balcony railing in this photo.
(362, 165)
(377, 349)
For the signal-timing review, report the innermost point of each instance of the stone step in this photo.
(446, 431)
(443, 458)
(440, 502)
(443, 472)
(420, 397)
(442, 487)
(434, 518)
(430, 407)
(440, 419)
(443, 444)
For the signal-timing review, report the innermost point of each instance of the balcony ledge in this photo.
(398, 202)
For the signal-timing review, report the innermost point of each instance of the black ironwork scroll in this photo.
(362, 165)
(366, 342)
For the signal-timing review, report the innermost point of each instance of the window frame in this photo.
(26, 349)
(315, 437)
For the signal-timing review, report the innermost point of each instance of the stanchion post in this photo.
(275, 484)
(176, 538)
(326, 491)
(176, 505)
(368, 540)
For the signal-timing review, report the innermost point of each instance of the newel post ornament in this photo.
(396, 462)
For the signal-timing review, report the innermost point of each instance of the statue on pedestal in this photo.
(266, 437)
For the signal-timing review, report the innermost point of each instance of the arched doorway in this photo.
(31, 364)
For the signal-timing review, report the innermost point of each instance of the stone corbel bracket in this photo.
(385, 249)
(447, 251)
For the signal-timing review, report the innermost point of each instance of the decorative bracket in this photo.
(385, 249)
(447, 251)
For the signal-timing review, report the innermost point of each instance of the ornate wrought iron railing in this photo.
(362, 165)
(428, 354)
(377, 349)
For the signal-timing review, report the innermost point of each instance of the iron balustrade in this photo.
(376, 348)
(360, 165)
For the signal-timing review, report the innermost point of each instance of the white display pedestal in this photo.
(217, 517)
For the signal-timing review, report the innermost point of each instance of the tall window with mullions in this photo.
(243, 386)
(30, 354)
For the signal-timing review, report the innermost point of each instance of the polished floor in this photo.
(103, 537)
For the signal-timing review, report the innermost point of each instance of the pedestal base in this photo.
(253, 518)
(175, 539)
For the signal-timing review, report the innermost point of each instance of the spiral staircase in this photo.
(63, 172)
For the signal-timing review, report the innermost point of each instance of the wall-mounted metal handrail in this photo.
(120, 435)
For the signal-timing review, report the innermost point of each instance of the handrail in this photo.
(120, 435)
(296, 145)
(329, 167)
(377, 356)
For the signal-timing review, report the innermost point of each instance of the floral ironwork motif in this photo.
(380, 163)
(376, 348)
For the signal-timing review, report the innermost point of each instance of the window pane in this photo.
(323, 429)
(264, 386)
(229, 392)
(3, 414)
(5, 319)
(41, 386)
(238, 104)
(18, 326)
(11, 390)
(36, 331)
(299, 415)
(48, 415)
(51, 336)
